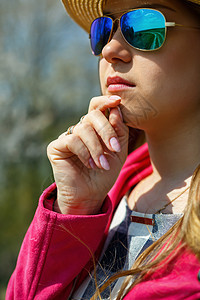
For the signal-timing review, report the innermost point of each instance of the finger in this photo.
(116, 121)
(67, 146)
(104, 102)
(91, 140)
(104, 129)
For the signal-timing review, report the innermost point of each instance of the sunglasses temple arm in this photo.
(173, 24)
(170, 24)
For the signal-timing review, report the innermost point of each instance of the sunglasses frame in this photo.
(117, 20)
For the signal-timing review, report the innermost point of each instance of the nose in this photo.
(117, 49)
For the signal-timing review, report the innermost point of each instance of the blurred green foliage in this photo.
(47, 77)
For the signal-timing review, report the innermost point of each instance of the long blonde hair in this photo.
(183, 235)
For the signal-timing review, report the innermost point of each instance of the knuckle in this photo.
(82, 151)
(85, 126)
(85, 155)
(93, 103)
(61, 135)
(93, 100)
(49, 147)
(109, 132)
(70, 139)
(92, 116)
(97, 149)
(113, 119)
(95, 114)
(75, 131)
(50, 151)
(80, 128)
(74, 143)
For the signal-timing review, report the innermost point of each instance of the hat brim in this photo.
(83, 12)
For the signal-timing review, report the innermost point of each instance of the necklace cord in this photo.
(171, 201)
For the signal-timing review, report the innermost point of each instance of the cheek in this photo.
(102, 74)
(151, 80)
(171, 78)
(181, 67)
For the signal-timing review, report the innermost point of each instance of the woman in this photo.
(151, 216)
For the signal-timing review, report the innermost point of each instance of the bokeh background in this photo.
(47, 77)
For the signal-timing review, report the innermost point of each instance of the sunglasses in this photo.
(143, 29)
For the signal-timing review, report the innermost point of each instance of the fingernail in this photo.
(92, 163)
(115, 144)
(114, 97)
(104, 163)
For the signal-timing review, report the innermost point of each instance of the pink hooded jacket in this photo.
(56, 252)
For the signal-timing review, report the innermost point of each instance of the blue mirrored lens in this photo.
(100, 34)
(144, 28)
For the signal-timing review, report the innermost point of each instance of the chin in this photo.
(135, 118)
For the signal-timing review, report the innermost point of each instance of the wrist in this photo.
(73, 209)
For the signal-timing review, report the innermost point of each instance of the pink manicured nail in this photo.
(104, 163)
(113, 98)
(115, 144)
(92, 163)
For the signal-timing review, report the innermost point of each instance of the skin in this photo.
(164, 102)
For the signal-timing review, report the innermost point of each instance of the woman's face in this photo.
(164, 85)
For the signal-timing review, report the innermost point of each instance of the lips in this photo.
(117, 83)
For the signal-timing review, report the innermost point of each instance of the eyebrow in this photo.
(153, 5)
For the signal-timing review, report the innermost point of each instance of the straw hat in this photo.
(83, 12)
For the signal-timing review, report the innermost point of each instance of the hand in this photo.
(87, 162)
